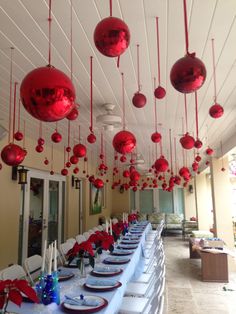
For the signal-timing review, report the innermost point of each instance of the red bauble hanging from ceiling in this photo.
(12, 154)
(79, 150)
(161, 164)
(126, 173)
(187, 141)
(156, 137)
(198, 158)
(91, 138)
(39, 148)
(124, 142)
(18, 136)
(198, 144)
(111, 36)
(134, 176)
(73, 114)
(216, 111)
(139, 100)
(64, 172)
(184, 172)
(56, 137)
(74, 160)
(209, 151)
(160, 92)
(47, 94)
(98, 183)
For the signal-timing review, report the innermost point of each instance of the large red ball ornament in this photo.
(188, 74)
(198, 144)
(160, 92)
(187, 141)
(98, 183)
(124, 142)
(39, 148)
(134, 176)
(216, 111)
(73, 114)
(47, 94)
(79, 150)
(156, 137)
(139, 100)
(184, 171)
(209, 151)
(74, 160)
(12, 155)
(18, 136)
(91, 138)
(126, 173)
(111, 36)
(56, 137)
(161, 164)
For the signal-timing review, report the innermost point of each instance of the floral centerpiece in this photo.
(102, 241)
(10, 290)
(132, 218)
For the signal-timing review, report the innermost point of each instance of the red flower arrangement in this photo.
(132, 217)
(80, 250)
(102, 240)
(10, 290)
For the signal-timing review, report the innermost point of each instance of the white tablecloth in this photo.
(73, 287)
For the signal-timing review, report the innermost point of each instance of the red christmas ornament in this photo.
(91, 138)
(164, 186)
(198, 144)
(124, 142)
(126, 173)
(64, 172)
(188, 74)
(79, 150)
(111, 36)
(139, 100)
(131, 169)
(74, 159)
(98, 183)
(91, 179)
(76, 170)
(85, 159)
(177, 180)
(184, 172)
(18, 136)
(68, 164)
(41, 141)
(216, 111)
(209, 151)
(156, 137)
(161, 164)
(198, 158)
(73, 114)
(12, 155)
(56, 137)
(46, 161)
(47, 94)
(187, 141)
(135, 189)
(134, 176)
(160, 92)
(51, 172)
(207, 163)
(123, 158)
(195, 166)
(39, 148)
(101, 156)
(68, 149)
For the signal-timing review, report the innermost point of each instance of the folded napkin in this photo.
(64, 273)
(121, 251)
(101, 282)
(118, 259)
(105, 269)
(82, 302)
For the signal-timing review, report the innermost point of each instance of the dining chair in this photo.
(60, 260)
(100, 228)
(80, 238)
(95, 229)
(64, 248)
(32, 266)
(72, 240)
(86, 235)
(13, 272)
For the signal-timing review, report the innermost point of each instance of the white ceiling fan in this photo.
(109, 120)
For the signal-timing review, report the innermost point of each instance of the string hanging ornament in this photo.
(91, 137)
(159, 92)
(124, 142)
(73, 159)
(186, 141)
(177, 177)
(111, 36)
(161, 164)
(216, 111)
(198, 142)
(12, 154)
(56, 137)
(188, 74)
(18, 135)
(79, 150)
(52, 161)
(39, 147)
(46, 92)
(222, 158)
(209, 151)
(139, 100)
(156, 136)
(64, 171)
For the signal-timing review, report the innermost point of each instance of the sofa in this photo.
(172, 221)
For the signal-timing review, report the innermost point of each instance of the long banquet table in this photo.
(74, 286)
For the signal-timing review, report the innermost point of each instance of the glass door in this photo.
(43, 212)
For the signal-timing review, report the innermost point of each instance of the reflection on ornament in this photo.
(41, 141)
(12, 154)
(124, 142)
(188, 74)
(111, 36)
(47, 94)
(139, 100)
(216, 111)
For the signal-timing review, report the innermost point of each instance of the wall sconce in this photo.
(75, 182)
(22, 179)
(190, 188)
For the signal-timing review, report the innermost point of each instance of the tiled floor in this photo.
(185, 293)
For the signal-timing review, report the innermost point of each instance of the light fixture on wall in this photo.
(22, 175)
(75, 182)
(190, 188)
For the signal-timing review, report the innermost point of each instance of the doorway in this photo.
(43, 212)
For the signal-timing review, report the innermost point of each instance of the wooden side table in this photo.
(214, 267)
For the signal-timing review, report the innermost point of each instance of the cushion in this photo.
(174, 219)
(142, 217)
(202, 234)
(174, 226)
(156, 217)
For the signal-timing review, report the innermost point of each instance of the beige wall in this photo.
(120, 201)
(190, 202)
(10, 202)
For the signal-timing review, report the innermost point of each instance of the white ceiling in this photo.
(23, 25)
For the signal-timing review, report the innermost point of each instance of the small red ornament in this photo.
(160, 92)
(134, 176)
(101, 156)
(79, 150)
(177, 180)
(18, 136)
(126, 173)
(75, 170)
(12, 155)
(124, 142)
(135, 189)
(188, 74)
(56, 137)
(64, 172)
(187, 141)
(139, 100)
(47, 94)
(198, 144)
(156, 137)
(111, 36)
(73, 114)
(195, 166)
(39, 148)
(223, 169)
(68, 149)
(51, 172)
(209, 151)
(198, 158)
(164, 186)
(216, 111)
(74, 159)
(85, 159)
(46, 161)
(123, 158)
(98, 183)
(131, 169)
(68, 164)
(91, 179)
(207, 163)
(91, 138)
(161, 164)
(41, 141)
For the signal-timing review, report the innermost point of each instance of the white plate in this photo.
(106, 272)
(85, 307)
(100, 287)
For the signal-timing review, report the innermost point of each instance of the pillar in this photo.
(190, 202)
